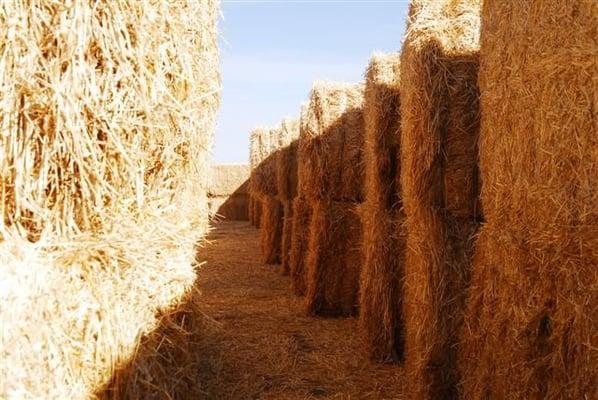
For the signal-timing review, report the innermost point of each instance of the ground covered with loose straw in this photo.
(257, 341)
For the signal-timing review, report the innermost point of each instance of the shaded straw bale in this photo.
(302, 213)
(333, 260)
(271, 229)
(287, 237)
(439, 182)
(286, 169)
(106, 123)
(383, 239)
(531, 329)
(330, 146)
(233, 208)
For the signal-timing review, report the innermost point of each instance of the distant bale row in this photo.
(107, 118)
(228, 192)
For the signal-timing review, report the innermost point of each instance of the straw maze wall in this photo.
(386, 206)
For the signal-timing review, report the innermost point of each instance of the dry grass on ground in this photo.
(259, 344)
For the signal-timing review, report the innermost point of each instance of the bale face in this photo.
(333, 260)
(286, 172)
(330, 145)
(531, 324)
(271, 230)
(439, 132)
(383, 239)
(302, 214)
(380, 312)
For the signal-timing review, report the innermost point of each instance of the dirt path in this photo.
(259, 344)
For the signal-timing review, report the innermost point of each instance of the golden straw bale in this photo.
(333, 260)
(271, 230)
(439, 183)
(383, 239)
(302, 213)
(106, 123)
(531, 328)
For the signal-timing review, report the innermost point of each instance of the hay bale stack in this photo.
(382, 243)
(228, 193)
(331, 145)
(260, 149)
(107, 116)
(301, 215)
(286, 174)
(265, 187)
(439, 132)
(531, 327)
(331, 139)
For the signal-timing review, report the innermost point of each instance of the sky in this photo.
(272, 51)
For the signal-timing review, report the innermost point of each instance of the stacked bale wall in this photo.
(383, 236)
(103, 176)
(439, 182)
(531, 329)
(332, 182)
(228, 192)
(286, 177)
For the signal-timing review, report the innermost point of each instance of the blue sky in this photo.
(272, 51)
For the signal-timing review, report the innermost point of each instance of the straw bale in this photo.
(302, 213)
(287, 233)
(286, 169)
(106, 120)
(271, 230)
(330, 146)
(439, 131)
(233, 208)
(383, 244)
(226, 179)
(333, 259)
(531, 329)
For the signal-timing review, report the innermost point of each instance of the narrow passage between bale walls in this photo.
(416, 217)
